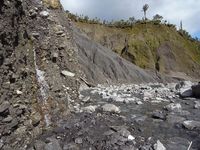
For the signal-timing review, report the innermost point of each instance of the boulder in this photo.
(67, 73)
(4, 107)
(196, 90)
(89, 109)
(159, 146)
(197, 105)
(174, 107)
(111, 108)
(184, 88)
(191, 124)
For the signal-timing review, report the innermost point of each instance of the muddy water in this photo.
(168, 128)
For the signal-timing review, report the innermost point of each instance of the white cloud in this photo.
(172, 10)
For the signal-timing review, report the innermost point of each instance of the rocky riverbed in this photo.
(128, 117)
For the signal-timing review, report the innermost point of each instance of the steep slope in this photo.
(39, 69)
(152, 46)
(102, 65)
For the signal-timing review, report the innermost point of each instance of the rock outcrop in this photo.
(102, 65)
(36, 45)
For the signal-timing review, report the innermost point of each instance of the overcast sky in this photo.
(172, 10)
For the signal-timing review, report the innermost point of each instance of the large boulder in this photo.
(196, 90)
(185, 89)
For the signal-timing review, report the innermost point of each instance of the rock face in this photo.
(30, 33)
(102, 65)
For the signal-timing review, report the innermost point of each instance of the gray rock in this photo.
(39, 145)
(70, 146)
(13, 124)
(7, 120)
(176, 107)
(36, 117)
(4, 106)
(111, 108)
(67, 73)
(197, 105)
(175, 119)
(177, 143)
(89, 109)
(124, 132)
(191, 124)
(158, 115)
(196, 90)
(159, 146)
(35, 34)
(53, 145)
(78, 141)
(186, 92)
(44, 13)
(86, 99)
(184, 88)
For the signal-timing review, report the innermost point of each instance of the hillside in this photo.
(151, 46)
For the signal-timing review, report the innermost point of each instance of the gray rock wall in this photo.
(36, 45)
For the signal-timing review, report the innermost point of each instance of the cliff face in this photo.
(151, 46)
(39, 70)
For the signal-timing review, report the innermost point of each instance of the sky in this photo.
(172, 10)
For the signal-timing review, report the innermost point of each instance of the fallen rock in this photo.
(4, 107)
(158, 115)
(131, 138)
(186, 92)
(159, 146)
(67, 73)
(89, 109)
(191, 124)
(196, 90)
(44, 13)
(197, 105)
(174, 107)
(39, 145)
(185, 89)
(111, 108)
(174, 119)
(36, 118)
(19, 92)
(86, 99)
(78, 141)
(53, 145)
(7, 120)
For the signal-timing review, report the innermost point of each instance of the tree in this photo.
(132, 20)
(157, 17)
(181, 25)
(145, 8)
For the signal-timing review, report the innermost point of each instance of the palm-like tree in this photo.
(145, 8)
